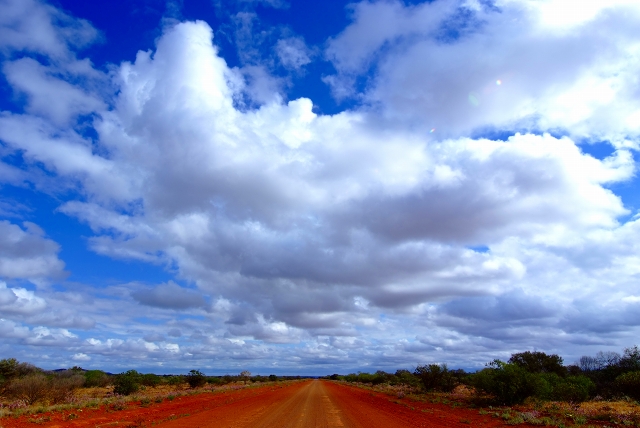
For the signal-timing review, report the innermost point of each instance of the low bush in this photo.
(575, 389)
(509, 383)
(31, 388)
(61, 388)
(196, 378)
(629, 384)
(215, 380)
(405, 377)
(127, 383)
(94, 378)
(436, 377)
(149, 379)
(174, 380)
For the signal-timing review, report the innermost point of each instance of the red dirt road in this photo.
(309, 404)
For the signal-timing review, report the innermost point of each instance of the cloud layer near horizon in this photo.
(357, 239)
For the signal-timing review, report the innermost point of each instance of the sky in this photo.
(296, 187)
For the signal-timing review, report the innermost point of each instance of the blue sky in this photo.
(300, 188)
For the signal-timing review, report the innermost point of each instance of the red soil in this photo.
(301, 404)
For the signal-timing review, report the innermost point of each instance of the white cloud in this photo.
(339, 232)
(293, 52)
(36, 80)
(80, 357)
(579, 79)
(27, 253)
(19, 301)
(33, 26)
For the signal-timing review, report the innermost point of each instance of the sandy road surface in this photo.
(314, 405)
(319, 404)
(303, 404)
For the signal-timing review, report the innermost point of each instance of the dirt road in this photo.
(315, 404)
(320, 404)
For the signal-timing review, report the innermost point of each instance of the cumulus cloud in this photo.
(27, 253)
(304, 228)
(80, 357)
(169, 296)
(513, 64)
(19, 301)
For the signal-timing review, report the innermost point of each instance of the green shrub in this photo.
(174, 380)
(575, 389)
(127, 383)
(436, 377)
(149, 379)
(405, 377)
(509, 383)
(196, 378)
(273, 377)
(629, 384)
(215, 380)
(539, 362)
(93, 378)
(10, 368)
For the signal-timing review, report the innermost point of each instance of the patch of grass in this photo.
(39, 420)
(93, 404)
(580, 419)
(515, 420)
(119, 405)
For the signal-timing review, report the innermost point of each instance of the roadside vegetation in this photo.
(27, 389)
(531, 387)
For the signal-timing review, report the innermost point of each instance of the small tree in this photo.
(196, 378)
(539, 362)
(10, 368)
(436, 377)
(630, 360)
(245, 375)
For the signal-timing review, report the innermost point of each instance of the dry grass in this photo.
(549, 413)
(103, 396)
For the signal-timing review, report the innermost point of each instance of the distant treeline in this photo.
(526, 374)
(26, 382)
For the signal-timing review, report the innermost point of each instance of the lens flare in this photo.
(498, 82)
(432, 130)
(474, 99)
